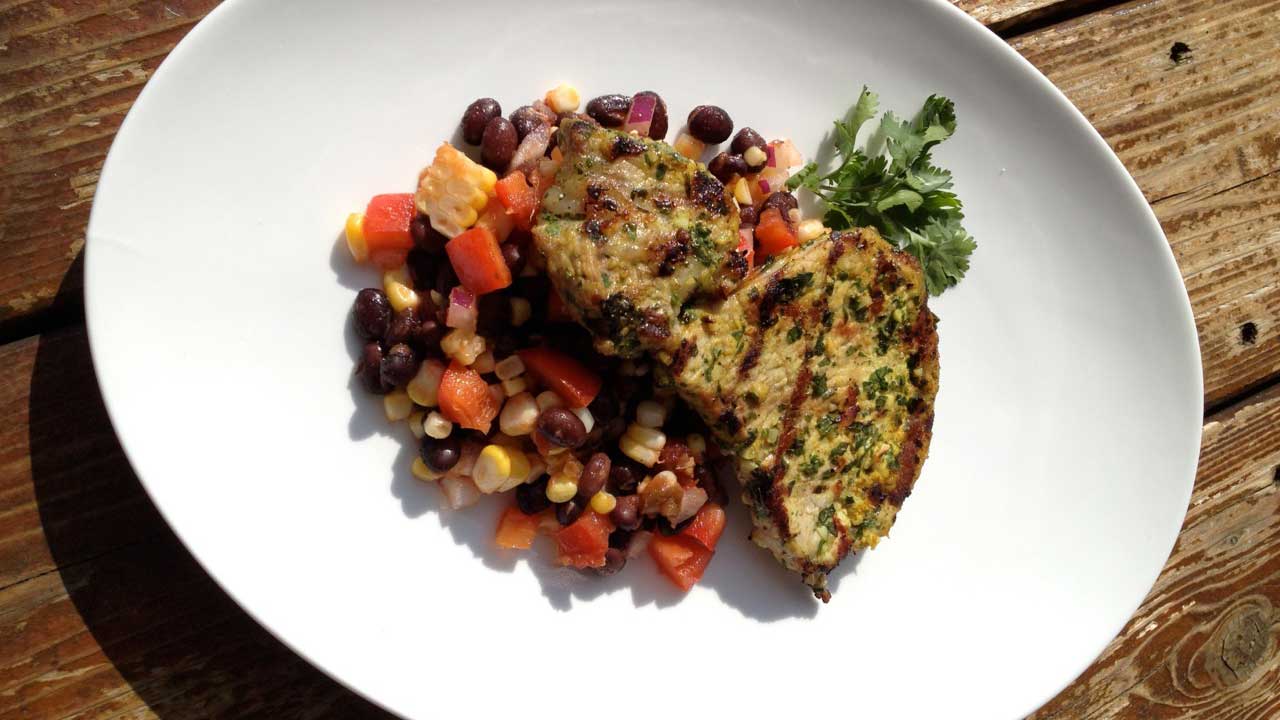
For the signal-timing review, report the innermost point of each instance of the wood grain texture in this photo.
(103, 614)
(1202, 138)
(1005, 15)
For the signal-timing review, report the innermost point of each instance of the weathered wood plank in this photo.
(1202, 138)
(1007, 15)
(1205, 642)
(102, 612)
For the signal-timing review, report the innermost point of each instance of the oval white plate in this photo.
(218, 295)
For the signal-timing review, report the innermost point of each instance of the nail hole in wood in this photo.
(1275, 480)
(1248, 333)
(1180, 52)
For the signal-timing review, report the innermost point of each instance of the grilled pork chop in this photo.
(818, 371)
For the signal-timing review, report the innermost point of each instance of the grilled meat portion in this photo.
(632, 232)
(818, 371)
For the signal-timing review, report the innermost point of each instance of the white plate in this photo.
(218, 295)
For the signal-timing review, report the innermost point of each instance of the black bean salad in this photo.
(469, 344)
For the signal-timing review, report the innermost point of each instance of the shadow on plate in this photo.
(178, 641)
(742, 574)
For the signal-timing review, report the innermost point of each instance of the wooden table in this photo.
(104, 614)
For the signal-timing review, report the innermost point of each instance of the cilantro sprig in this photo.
(890, 183)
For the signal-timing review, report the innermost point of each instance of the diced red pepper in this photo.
(707, 526)
(465, 399)
(516, 530)
(583, 543)
(747, 246)
(477, 260)
(519, 198)
(682, 559)
(774, 233)
(577, 385)
(386, 224)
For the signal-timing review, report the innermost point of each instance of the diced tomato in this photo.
(386, 224)
(477, 260)
(577, 385)
(773, 233)
(465, 399)
(747, 246)
(519, 198)
(388, 258)
(516, 530)
(557, 311)
(680, 558)
(584, 543)
(707, 526)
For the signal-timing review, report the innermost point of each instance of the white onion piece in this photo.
(639, 541)
(459, 492)
(693, 500)
(462, 309)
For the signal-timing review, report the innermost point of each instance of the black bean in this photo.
(531, 498)
(525, 119)
(612, 429)
(372, 313)
(620, 539)
(427, 339)
(710, 124)
(595, 473)
(604, 407)
(423, 267)
(658, 125)
(399, 365)
(784, 201)
(446, 279)
(746, 138)
(626, 513)
(477, 117)
(747, 215)
(425, 236)
(724, 166)
(498, 144)
(404, 328)
(614, 560)
(441, 455)
(514, 256)
(493, 313)
(562, 428)
(610, 110)
(567, 512)
(370, 369)
(624, 477)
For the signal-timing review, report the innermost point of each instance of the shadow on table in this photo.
(180, 642)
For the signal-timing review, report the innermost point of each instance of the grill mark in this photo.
(752, 356)
(625, 146)
(682, 356)
(850, 407)
(708, 193)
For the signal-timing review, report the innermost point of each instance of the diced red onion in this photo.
(639, 541)
(764, 186)
(772, 155)
(640, 116)
(693, 500)
(462, 309)
(531, 149)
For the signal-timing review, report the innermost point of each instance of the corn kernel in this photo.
(689, 146)
(563, 98)
(436, 426)
(397, 405)
(484, 362)
(559, 491)
(697, 445)
(452, 190)
(603, 502)
(637, 452)
(509, 367)
(549, 399)
(755, 157)
(519, 415)
(497, 393)
(415, 424)
(794, 215)
(399, 289)
(425, 384)
(520, 465)
(437, 299)
(521, 310)
(492, 468)
(462, 345)
(651, 438)
(742, 192)
(809, 229)
(588, 420)
(514, 386)
(356, 243)
(651, 414)
(422, 472)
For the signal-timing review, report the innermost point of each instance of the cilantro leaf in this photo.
(891, 183)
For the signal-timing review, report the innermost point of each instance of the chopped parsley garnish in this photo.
(827, 518)
(703, 248)
(819, 385)
(812, 465)
(794, 333)
(828, 423)
(903, 195)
